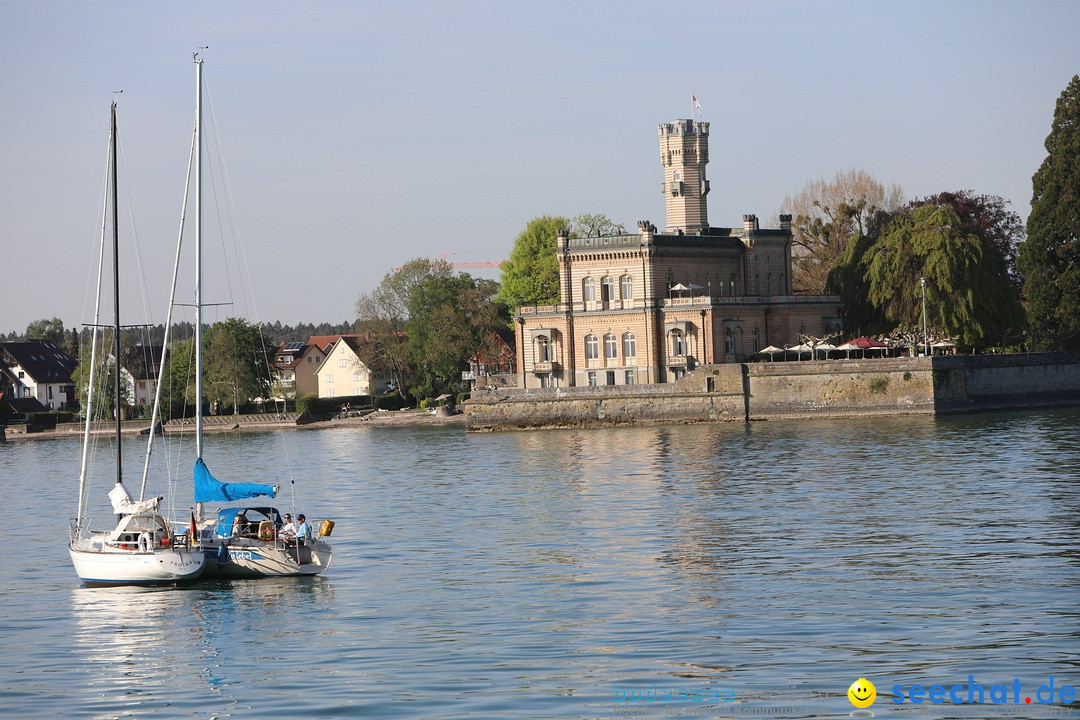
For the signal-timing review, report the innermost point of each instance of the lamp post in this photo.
(926, 343)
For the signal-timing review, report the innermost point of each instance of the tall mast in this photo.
(198, 258)
(116, 298)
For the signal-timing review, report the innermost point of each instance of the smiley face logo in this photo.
(862, 693)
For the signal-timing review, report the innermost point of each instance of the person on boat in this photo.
(241, 528)
(288, 530)
(303, 530)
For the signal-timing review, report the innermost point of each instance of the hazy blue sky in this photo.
(359, 135)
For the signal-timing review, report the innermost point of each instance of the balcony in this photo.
(677, 361)
(545, 367)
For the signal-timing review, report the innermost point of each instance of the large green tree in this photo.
(51, 330)
(1001, 227)
(237, 370)
(969, 295)
(531, 275)
(449, 319)
(382, 316)
(177, 380)
(1049, 260)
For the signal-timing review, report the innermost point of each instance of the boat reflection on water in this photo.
(183, 650)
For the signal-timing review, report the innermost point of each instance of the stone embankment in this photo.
(795, 390)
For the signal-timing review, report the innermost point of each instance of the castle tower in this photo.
(684, 152)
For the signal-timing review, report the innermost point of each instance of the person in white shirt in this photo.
(288, 530)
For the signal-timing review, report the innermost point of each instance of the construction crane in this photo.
(476, 265)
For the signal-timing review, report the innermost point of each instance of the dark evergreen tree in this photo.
(1049, 260)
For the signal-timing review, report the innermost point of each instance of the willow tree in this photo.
(1049, 260)
(969, 295)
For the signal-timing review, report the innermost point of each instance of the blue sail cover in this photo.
(208, 489)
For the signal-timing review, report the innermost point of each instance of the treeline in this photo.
(69, 340)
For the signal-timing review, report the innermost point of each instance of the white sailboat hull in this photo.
(242, 558)
(96, 563)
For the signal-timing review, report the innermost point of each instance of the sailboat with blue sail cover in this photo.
(243, 539)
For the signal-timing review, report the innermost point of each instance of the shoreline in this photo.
(219, 424)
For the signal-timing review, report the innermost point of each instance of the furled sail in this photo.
(123, 504)
(209, 489)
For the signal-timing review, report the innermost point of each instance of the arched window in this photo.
(588, 292)
(543, 349)
(629, 345)
(611, 346)
(729, 342)
(626, 290)
(592, 347)
(678, 343)
(731, 284)
(607, 291)
(757, 344)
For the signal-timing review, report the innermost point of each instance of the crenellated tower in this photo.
(684, 152)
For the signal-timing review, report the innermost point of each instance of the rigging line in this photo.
(136, 250)
(85, 461)
(168, 325)
(217, 154)
(244, 276)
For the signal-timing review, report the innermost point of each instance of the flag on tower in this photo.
(694, 105)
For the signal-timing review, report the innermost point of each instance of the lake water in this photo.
(703, 571)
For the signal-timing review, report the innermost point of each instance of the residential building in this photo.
(283, 370)
(37, 369)
(648, 307)
(344, 374)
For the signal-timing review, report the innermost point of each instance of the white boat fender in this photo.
(144, 542)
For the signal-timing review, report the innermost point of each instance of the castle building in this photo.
(649, 307)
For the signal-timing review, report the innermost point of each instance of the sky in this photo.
(359, 135)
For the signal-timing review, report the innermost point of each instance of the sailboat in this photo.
(141, 548)
(239, 541)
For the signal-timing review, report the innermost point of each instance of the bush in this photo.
(390, 402)
(40, 421)
(462, 397)
(306, 404)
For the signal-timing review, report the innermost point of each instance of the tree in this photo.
(847, 278)
(237, 364)
(588, 225)
(826, 215)
(968, 292)
(177, 380)
(1049, 260)
(531, 275)
(104, 380)
(383, 313)
(51, 330)
(449, 318)
(1000, 226)
(72, 348)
